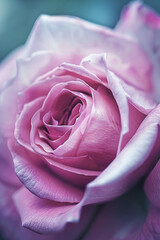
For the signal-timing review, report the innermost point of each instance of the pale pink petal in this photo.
(138, 98)
(32, 67)
(58, 34)
(135, 119)
(101, 137)
(46, 216)
(27, 71)
(79, 71)
(39, 179)
(24, 122)
(11, 225)
(34, 91)
(98, 63)
(130, 165)
(143, 25)
(76, 176)
(8, 68)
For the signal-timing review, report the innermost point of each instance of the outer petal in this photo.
(10, 223)
(129, 123)
(142, 24)
(46, 216)
(23, 123)
(11, 226)
(36, 176)
(58, 34)
(27, 71)
(131, 163)
(43, 215)
(8, 68)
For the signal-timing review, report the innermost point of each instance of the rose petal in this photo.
(35, 175)
(131, 163)
(24, 122)
(138, 98)
(90, 38)
(143, 25)
(8, 68)
(101, 137)
(10, 222)
(79, 72)
(77, 176)
(99, 62)
(43, 214)
(34, 91)
(27, 71)
(46, 216)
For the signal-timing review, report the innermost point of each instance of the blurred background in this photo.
(18, 16)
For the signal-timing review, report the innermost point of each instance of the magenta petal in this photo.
(131, 163)
(35, 175)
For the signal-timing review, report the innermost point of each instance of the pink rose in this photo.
(80, 126)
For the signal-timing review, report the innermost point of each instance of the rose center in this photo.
(71, 113)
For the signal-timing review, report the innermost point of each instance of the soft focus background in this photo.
(18, 16)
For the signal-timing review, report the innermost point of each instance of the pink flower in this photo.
(80, 126)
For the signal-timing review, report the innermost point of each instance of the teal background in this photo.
(18, 16)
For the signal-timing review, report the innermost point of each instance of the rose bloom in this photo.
(79, 131)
